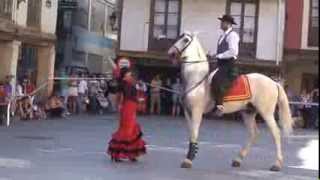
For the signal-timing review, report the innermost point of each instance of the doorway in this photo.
(27, 63)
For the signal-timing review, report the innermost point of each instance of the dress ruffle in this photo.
(121, 147)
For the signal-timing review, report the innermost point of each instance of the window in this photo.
(166, 18)
(34, 13)
(67, 17)
(95, 63)
(109, 26)
(6, 9)
(78, 56)
(98, 17)
(80, 17)
(245, 13)
(313, 36)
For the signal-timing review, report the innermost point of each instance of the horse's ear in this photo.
(195, 33)
(187, 32)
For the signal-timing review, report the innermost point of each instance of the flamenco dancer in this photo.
(127, 142)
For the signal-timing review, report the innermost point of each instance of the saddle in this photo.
(239, 91)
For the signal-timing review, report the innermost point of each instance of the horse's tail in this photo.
(284, 111)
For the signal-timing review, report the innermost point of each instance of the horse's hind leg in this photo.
(250, 122)
(275, 131)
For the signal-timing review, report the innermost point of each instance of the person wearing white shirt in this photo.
(83, 92)
(227, 53)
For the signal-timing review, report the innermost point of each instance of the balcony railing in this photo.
(6, 9)
(68, 4)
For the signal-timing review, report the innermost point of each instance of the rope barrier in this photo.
(303, 103)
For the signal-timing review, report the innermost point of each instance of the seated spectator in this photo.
(39, 112)
(25, 108)
(54, 106)
(28, 86)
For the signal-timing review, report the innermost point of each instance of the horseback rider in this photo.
(227, 52)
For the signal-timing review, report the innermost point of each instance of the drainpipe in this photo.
(280, 32)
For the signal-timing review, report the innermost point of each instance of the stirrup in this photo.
(217, 111)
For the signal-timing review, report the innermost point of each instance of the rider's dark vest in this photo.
(223, 47)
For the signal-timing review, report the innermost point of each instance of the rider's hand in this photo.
(209, 56)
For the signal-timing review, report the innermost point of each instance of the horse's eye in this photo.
(186, 40)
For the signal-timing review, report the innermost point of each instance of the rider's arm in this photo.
(232, 52)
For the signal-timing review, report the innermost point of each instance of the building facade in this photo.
(149, 27)
(301, 54)
(86, 35)
(27, 39)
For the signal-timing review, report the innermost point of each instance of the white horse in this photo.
(266, 94)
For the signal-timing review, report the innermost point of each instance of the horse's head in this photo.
(187, 48)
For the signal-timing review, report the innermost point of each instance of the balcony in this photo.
(6, 9)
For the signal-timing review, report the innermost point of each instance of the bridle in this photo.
(185, 47)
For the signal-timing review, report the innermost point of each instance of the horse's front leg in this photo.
(194, 118)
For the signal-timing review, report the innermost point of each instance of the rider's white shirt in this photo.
(233, 41)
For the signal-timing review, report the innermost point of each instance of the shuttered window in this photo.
(34, 13)
(313, 36)
(6, 9)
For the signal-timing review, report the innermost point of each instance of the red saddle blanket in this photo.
(239, 91)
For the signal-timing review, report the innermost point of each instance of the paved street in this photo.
(73, 149)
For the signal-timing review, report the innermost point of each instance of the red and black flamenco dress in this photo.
(127, 142)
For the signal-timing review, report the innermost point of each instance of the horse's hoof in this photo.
(236, 163)
(275, 168)
(186, 164)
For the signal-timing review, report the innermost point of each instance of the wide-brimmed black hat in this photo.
(228, 18)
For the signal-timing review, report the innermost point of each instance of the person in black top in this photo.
(166, 97)
(315, 109)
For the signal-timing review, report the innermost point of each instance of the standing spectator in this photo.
(166, 98)
(73, 94)
(9, 92)
(315, 109)
(93, 91)
(306, 109)
(83, 92)
(175, 98)
(112, 89)
(291, 97)
(155, 95)
(19, 90)
(64, 88)
(8, 86)
(3, 103)
(142, 96)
